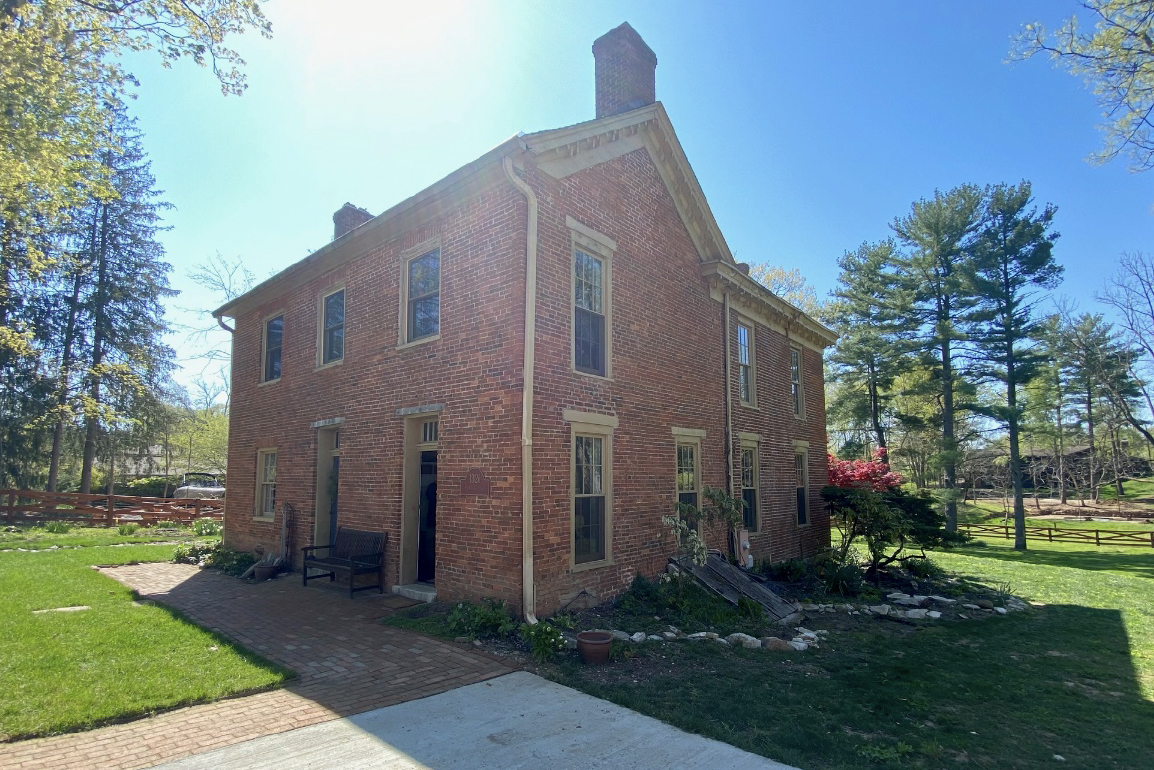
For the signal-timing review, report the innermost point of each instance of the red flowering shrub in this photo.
(874, 474)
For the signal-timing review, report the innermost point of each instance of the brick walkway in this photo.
(347, 663)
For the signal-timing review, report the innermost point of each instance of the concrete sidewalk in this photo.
(515, 721)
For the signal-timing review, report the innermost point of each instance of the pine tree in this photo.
(1013, 261)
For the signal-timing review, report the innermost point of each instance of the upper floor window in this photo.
(423, 296)
(795, 382)
(273, 336)
(333, 327)
(589, 313)
(745, 368)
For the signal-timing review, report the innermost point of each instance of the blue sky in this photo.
(810, 126)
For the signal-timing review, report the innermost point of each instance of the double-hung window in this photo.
(333, 327)
(745, 367)
(749, 485)
(795, 382)
(423, 296)
(589, 313)
(688, 475)
(266, 483)
(273, 337)
(801, 464)
(589, 498)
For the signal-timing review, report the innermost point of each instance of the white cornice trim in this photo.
(759, 303)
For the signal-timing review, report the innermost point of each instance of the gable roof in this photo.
(560, 152)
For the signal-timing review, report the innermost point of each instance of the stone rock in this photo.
(668, 636)
(721, 641)
(638, 637)
(897, 595)
(1015, 604)
(74, 608)
(742, 640)
(655, 638)
(822, 633)
(971, 607)
(911, 601)
(799, 646)
(943, 600)
(790, 619)
(703, 635)
(933, 614)
(809, 606)
(1001, 610)
(916, 614)
(775, 644)
(620, 635)
(963, 616)
(984, 604)
(675, 630)
(880, 609)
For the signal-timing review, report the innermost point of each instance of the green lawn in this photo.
(33, 538)
(1074, 678)
(66, 671)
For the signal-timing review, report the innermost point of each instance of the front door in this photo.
(427, 531)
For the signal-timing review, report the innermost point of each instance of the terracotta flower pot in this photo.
(263, 571)
(593, 647)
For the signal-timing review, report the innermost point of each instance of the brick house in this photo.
(380, 382)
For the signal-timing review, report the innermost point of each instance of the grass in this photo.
(68, 671)
(35, 538)
(1073, 678)
(1133, 490)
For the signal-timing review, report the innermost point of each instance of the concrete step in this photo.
(421, 592)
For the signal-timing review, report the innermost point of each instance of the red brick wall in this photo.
(474, 369)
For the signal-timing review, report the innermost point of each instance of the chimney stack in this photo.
(625, 71)
(348, 217)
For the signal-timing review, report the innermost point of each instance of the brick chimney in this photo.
(348, 217)
(625, 71)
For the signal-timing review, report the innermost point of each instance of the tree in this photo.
(1117, 62)
(1128, 374)
(939, 234)
(1013, 261)
(60, 77)
(791, 286)
(869, 354)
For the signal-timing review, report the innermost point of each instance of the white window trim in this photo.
(751, 402)
(324, 295)
(599, 426)
(407, 256)
(258, 513)
(688, 437)
(754, 444)
(601, 246)
(264, 346)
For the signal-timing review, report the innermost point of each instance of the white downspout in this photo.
(529, 594)
(728, 400)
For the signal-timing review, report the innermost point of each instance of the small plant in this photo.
(214, 555)
(206, 527)
(787, 571)
(843, 579)
(923, 568)
(750, 610)
(194, 553)
(127, 529)
(885, 753)
(545, 640)
(57, 527)
(167, 525)
(489, 618)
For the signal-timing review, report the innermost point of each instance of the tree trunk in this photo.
(1015, 454)
(65, 375)
(92, 421)
(949, 445)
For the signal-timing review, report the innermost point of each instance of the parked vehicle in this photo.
(205, 486)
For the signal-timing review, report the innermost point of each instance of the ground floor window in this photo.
(589, 498)
(802, 466)
(749, 485)
(266, 483)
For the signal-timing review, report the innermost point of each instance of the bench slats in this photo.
(354, 551)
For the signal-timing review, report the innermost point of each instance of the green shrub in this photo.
(787, 571)
(545, 640)
(923, 568)
(489, 618)
(844, 579)
(678, 599)
(127, 529)
(194, 553)
(216, 556)
(750, 610)
(206, 527)
(149, 486)
(166, 524)
(57, 527)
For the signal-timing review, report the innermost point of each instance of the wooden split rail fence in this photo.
(1055, 535)
(25, 506)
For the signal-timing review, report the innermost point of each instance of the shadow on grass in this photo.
(1139, 563)
(993, 693)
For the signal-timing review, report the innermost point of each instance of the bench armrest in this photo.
(308, 548)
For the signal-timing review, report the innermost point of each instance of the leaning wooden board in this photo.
(731, 584)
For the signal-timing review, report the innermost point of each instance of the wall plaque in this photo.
(475, 483)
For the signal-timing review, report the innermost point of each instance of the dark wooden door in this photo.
(427, 533)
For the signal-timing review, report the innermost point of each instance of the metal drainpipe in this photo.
(728, 401)
(529, 594)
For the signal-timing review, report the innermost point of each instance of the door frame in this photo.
(414, 443)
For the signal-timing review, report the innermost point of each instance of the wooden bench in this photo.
(355, 551)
